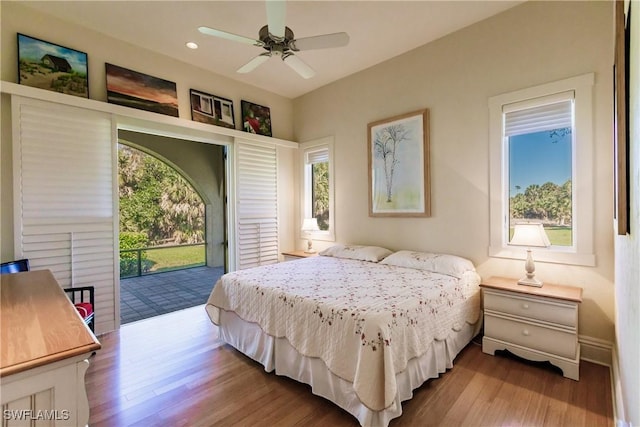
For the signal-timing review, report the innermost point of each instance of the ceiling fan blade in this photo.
(254, 63)
(299, 66)
(229, 36)
(276, 13)
(320, 42)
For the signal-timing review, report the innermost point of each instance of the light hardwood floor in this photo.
(173, 370)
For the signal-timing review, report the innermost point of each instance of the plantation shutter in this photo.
(522, 118)
(63, 180)
(257, 205)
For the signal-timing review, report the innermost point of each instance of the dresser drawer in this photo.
(553, 341)
(551, 311)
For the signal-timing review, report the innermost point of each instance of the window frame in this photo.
(581, 253)
(306, 189)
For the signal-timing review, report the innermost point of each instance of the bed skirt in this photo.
(276, 354)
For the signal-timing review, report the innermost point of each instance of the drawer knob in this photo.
(525, 332)
(525, 306)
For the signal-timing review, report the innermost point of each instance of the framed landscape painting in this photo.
(398, 157)
(137, 90)
(211, 109)
(256, 118)
(52, 67)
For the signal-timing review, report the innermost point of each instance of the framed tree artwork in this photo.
(399, 175)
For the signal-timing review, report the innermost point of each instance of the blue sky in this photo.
(537, 158)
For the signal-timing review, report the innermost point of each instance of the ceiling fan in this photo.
(278, 40)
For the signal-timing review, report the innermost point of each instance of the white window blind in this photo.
(320, 155)
(521, 119)
(63, 178)
(257, 205)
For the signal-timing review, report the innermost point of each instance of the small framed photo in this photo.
(211, 109)
(52, 67)
(256, 118)
(142, 91)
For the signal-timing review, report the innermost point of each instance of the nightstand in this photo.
(294, 255)
(538, 324)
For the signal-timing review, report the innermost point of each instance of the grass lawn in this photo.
(558, 235)
(165, 259)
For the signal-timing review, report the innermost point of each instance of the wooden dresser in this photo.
(538, 324)
(44, 352)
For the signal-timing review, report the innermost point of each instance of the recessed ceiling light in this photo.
(192, 45)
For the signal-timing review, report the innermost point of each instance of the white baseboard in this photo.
(616, 390)
(605, 353)
(596, 350)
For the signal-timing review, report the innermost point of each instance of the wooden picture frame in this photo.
(52, 67)
(399, 170)
(621, 116)
(211, 109)
(142, 91)
(256, 118)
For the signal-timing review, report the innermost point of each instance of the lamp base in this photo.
(530, 281)
(309, 249)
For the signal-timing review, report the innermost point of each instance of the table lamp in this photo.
(309, 226)
(530, 235)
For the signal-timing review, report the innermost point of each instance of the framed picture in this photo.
(52, 67)
(256, 118)
(399, 166)
(133, 89)
(211, 109)
(621, 116)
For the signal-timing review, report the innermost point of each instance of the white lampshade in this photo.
(530, 234)
(310, 224)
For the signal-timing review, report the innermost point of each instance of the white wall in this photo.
(627, 269)
(531, 44)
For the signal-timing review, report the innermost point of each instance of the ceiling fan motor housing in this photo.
(273, 44)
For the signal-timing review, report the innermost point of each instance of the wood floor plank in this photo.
(174, 370)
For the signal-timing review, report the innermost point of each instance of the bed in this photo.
(361, 325)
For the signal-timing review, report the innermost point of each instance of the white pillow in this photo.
(362, 253)
(451, 265)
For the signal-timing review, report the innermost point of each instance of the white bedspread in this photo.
(364, 320)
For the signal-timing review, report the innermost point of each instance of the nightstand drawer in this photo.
(553, 341)
(545, 310)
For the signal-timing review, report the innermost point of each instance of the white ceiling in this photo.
(378, 30)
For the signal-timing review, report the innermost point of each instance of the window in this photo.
(538, 140)
(317, 179)
(540, 155)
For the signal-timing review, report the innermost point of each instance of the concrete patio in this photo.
(160, 293)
